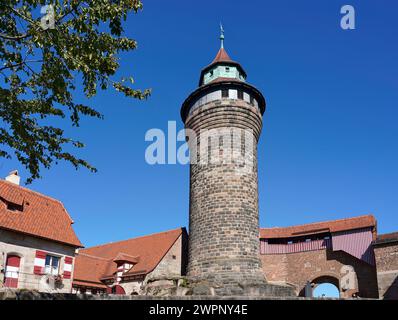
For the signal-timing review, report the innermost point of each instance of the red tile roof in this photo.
(122, 257)
(41, 216)
(320, 227)
(387, 237)
(96, 263)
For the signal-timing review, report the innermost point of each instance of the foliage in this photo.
(41, 62)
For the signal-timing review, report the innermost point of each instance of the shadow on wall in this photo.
(366, 273)
(392, 291)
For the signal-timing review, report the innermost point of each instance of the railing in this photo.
(18, 279)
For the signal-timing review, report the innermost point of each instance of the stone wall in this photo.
(387, 269)
(172, 264)
(25, 247)
(318, 266)
(223, 227)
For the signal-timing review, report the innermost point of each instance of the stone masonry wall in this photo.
(173, 264)
(298, 268)
(387, 270)
(174, 260)
(223, 229)
(25, 246)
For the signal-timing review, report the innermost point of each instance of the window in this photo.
(240, 94)
(226, 69)
(224, 93)
(211, 73)
(14, 207)
(52, 265)
(251, 100)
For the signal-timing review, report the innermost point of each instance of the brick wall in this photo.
(25, 246)
(387, 269)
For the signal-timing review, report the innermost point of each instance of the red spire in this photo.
(222, 56)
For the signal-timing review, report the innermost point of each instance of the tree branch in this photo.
(18, 37)
(19, 64)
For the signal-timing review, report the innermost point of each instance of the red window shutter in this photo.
(68, 260)
(13, 261)
(39, 262)
(68, 267)
(38, 270)
(41, 254)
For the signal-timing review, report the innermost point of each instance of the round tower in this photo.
(223, 121)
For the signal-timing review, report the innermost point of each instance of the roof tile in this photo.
(41, 216)
(319, 227)
(96, 263)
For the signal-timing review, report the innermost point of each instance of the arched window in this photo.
(12, 271)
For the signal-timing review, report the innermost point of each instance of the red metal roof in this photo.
(99, 262)
(41, 216)
(222, 56)
(319, 227)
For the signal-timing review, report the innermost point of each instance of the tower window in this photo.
(211, 73)
(224, 93)
(251, 100)
(226, 69)
(240, 94)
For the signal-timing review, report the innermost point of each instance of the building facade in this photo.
(339, 252)
(124, 267)
(386, 255)
(37, 241)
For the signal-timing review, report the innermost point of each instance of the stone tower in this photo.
(223, 116)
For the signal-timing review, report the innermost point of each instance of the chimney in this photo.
(13, 177)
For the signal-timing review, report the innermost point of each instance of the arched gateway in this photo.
(338, 252)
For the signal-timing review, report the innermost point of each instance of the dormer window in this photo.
(14, 207)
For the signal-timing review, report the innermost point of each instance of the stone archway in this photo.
(326, 279)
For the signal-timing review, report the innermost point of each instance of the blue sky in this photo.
(328, 149)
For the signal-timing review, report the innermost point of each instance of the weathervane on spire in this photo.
(222, 35)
